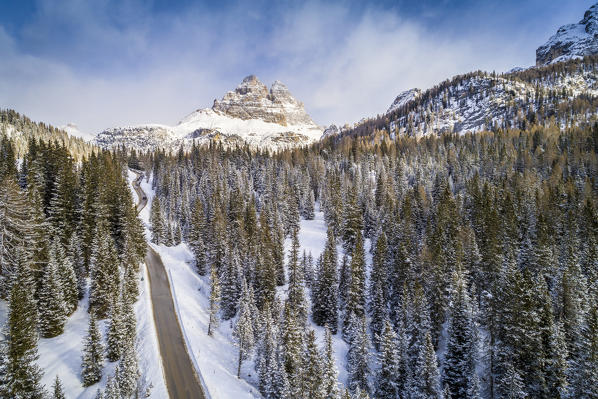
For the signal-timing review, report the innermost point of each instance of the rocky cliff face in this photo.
(252, 100)
(251, 114)
(571, 41)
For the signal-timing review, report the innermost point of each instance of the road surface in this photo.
(181, 379)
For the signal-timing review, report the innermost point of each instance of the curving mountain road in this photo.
(179, 373)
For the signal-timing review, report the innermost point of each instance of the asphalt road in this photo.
(181, 379)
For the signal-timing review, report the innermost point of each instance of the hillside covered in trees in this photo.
(484, 268)
(69, 231)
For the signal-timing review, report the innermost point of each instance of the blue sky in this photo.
(108, 63)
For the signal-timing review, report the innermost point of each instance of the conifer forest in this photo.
(446, 248)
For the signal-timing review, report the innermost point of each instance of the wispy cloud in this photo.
(106, 63)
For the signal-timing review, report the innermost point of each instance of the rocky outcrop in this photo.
(571, 41)
(252, 100)
(404, 98)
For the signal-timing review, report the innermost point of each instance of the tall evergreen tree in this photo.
(23, 375)
(93, 356)
(387, 386)
(215, 298)
(358, 358)
(58, 389)
(243, 331)
(52, 306)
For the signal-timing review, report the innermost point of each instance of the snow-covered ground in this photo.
(62, 355)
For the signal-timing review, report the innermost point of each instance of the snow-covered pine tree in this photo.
(93, 356)
(128, 370)
(105, 273)
(387, 386)
(16, 230)
(293, 347)
(131, 283)
(312, 368)
(266, 362)
(296, 297)
(68, 279)
(112, 388)
(75, 255)
(215, 298)
(352, 221)
(459, 362)
(378, 290)
(230, 281)
(158, 228)
(355, 306)
(51, 304)
(115, 335)
(426, 377)
(58, 390)
(329, 387)
(325, 297)
(358, 358)
(23, 375)
(243, 330)
(197, 230)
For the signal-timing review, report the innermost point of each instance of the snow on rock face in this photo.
(250, 114)
(403, 99)
(571, 41)
(476, 102)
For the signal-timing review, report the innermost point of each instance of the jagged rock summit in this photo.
(251, 114)
(571, 41)
(252, 100)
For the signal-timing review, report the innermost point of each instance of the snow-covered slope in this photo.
(403, 99)
(251, 114)
(571, 41)
(481, 101)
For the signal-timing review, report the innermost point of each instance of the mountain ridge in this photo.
(250, 114)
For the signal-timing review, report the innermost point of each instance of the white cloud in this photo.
(141, 67)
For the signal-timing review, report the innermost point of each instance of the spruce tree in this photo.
(197, 230)
(93, 356)
(215, 298)
(58, 389)
(23, 375)
(128, 370)
(243, 330)
(358, 358)
(355, 306)
(112, 388)
(330, 388)
(387, 386)
(68, 279)
(159, 231)
(312, 367)
(51, 304)
(115, 336)
(325, 295)
(426, 378)
(75, 255)
(378, 291)
(459, 365)
(105, 273)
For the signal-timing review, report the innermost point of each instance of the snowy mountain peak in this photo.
(251, 113)
(252, 100)
(571, 41)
